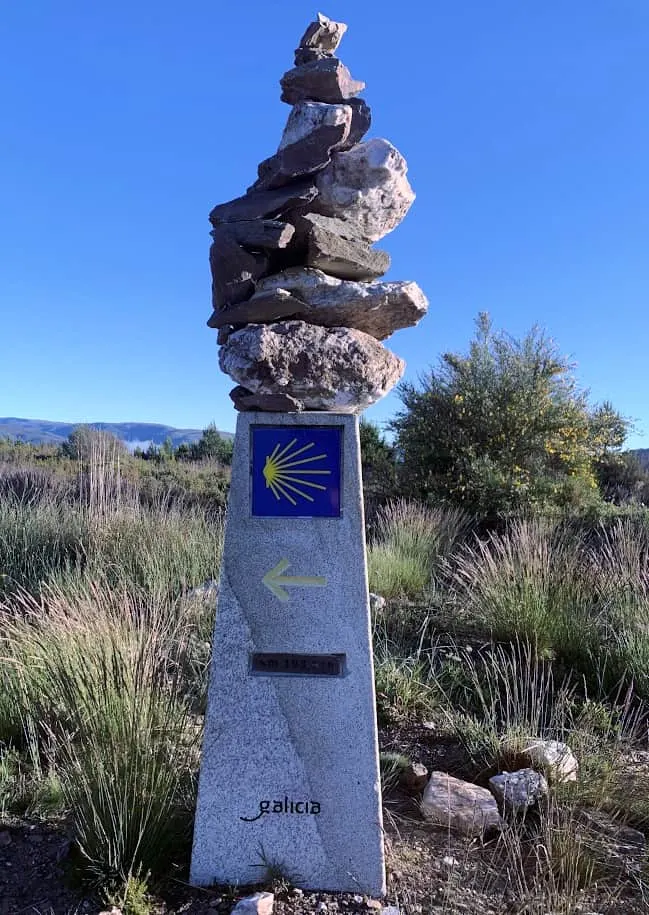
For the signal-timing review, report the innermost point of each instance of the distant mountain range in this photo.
(42, 431)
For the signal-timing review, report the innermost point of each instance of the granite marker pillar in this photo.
(289, 777)
(290, 773)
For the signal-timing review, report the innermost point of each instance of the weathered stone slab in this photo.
(367, 188)
(290, 762)
(324, 34)
(270, 234)
(273, 403)
(264, 204)
(314, 130)
(377, 309)
(234, 270)
(327, 244)
(338, 369)
(459, 805)
(326, 80)
(260, 309)
(361, 121)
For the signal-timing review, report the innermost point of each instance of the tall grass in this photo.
(530, 582)
(408, 544)
(97, 675)
(160, 548)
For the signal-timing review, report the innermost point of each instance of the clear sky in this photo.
(526, 130)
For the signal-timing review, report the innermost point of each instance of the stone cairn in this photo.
(296, 302)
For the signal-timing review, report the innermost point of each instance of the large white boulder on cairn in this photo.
(366, 187)
(460, 805)
(338, 370)
(377, 309)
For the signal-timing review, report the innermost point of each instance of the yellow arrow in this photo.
(277, 583)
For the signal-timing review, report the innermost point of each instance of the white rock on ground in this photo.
(460, 805)
(556, 758)
(259, 904)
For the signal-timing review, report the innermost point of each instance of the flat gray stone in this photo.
(337, 370)
(326, 80)
(270, 234)
(305, 741)
(234, 270)
(264, 204)
(260, 309)
(314, 130)
(245, 401)
(377, 309)
(329, 245)
(367, 188)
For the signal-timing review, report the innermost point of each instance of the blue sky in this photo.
(524, 125)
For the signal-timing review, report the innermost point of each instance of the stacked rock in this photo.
(299, 312)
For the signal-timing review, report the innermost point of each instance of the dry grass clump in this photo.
(95, 677)
(408, 543)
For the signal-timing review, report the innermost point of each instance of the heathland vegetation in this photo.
(507, 532)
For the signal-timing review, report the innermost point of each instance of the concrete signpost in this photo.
(290, 778)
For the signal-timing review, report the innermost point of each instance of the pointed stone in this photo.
(314, 130)
(323, 34)
(326, 80)
(367, 188)
(264, 204)
(338, 370)
(377, 309)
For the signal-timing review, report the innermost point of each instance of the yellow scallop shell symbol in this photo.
(286, 476)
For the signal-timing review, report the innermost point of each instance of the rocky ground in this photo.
(429, 869)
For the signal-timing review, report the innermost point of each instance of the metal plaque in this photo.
(280, 664)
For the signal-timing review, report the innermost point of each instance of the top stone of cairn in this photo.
(321, 39)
